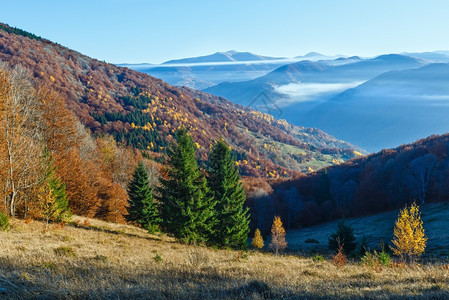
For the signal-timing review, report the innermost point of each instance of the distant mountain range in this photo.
(375, 103)
(205, 71)
(321, 72)
(230, 66)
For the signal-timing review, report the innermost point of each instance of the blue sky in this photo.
(136, 31)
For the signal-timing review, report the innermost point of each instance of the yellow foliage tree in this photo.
(48, 203)
(278, 242)
(257, 241)
(409, 239)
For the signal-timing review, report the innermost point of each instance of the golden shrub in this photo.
(409, 239)
(257, 241)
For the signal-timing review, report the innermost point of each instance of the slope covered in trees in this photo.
(48, 157)
(141, 111)
(387, 180)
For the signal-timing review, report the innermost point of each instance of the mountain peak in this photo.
(229, 52)
(311, 54)
(396, 58)
(220, 57)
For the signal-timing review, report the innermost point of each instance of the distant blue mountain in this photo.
(231, 66)
(206, 71)
(434, 57)
(315, 56)
(228, 56)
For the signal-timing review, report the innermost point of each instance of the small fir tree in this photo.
(257, 241)
(187, 209)
(343, 237)
(61, 200)
(142, 209)
(232, 219)
(4, 221)
(52, 195)
(278, 242)
(48, 204)
(409, 238)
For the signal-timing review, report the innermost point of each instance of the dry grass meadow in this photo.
(99, 260)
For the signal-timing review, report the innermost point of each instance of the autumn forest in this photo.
(119, 170)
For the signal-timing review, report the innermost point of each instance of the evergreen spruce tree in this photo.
(54, 189)
(142, 209)
(343, 237)
(61, 199)
(231, 228)
(186, 205)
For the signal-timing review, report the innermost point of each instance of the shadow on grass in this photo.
(115, 232)
(87, 279)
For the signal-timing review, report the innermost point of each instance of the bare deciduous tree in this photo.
(20, 136)
(263, 208)
(294, 204)
(278, 242)
(420, 171)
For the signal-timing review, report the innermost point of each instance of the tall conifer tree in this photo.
(142, 209)
(231, 228)
(186, 207)
(62, 201)
(54, 189)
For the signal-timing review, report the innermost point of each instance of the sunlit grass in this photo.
(97, 260)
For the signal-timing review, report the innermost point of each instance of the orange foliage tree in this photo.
(80, 164)
(91, 187)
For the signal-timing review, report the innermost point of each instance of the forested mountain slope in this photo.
(389, 179)
(144, 112)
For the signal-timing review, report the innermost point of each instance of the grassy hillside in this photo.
(92, 259)
(378, 228)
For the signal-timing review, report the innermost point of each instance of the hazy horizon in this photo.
(139, 31)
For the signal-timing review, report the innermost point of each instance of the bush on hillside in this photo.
(4, 222)
(344, 236)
